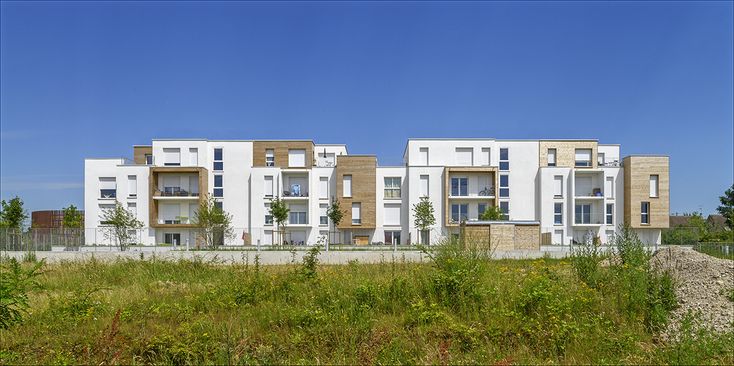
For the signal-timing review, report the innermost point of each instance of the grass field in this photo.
(461, 308)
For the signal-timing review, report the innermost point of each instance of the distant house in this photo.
(49, 219)
(717, 222)
(678, 220)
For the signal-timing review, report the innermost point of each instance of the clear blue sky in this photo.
(91, 79)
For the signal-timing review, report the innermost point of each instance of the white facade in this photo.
(569, 203)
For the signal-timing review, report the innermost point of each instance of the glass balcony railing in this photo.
(176, 192)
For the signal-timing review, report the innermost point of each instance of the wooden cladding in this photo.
(566, 152)
(637, 172)
(139, 153)
(363, 172)
(280, 152)
(154, 175)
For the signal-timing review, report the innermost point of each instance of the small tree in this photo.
(424, 215)
(122, 225)
(72, 218)
(492, 213)
(726, 208)
(213, 225)
(334, 212)
(12, 214)
(279, 210)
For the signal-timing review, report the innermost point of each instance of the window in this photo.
(172, 238)
(392, 237)
(193, 156)
(133, 208)
(269, 157)
(107, 187)
(268, 215)
(219, 205)
(297, 158)
(423, 156)
(504, 159)
(459, 212)
(464, 156)
(600, 159)
(558, 186)
(392, 187)
(552, 157)
(347, 185)
(356, 213)
(323, 217)
(424, 185)
(583, 157)
(645, 212)
(481, 207)
(486, 156)
(583, 214)
(269, 186)
(505, 209)
(392, 214)
(610, 214)
(132, 185)
(218, 190)
(149, 159)
(218, 159)
(504, 186)
(654, 185)
(297, 215)
(171, 157)
(609, 187)
(324, 187)
(459, 186)
(558, 213)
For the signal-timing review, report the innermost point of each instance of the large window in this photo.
(132, 186)
(356, 213)
(645, 212)
(558, 186)
(583, 214)
(464, 156)
(347, 185)
(583, 157)
(654, 179)
(269, 157)
(505, 210)
(504, 186)
(171, 156)
(323, 217)
(424, 185)
(459, 186)
(392, 187)
(107, 187)
(297, 158)
(218, 159)
(392, 237)
(552, 157)
(459, 212)
(297, 215)
(610, 214)
(558, 213)
(504, 159)
(609, 187)
(218, 186)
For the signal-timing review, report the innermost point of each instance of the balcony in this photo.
(485, 193)
(588, 219)
(177, 221)
(174, 192)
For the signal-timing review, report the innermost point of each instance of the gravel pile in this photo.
(703, 284)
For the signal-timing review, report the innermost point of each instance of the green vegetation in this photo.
(459, 308)
(122, 225)
(424, 218)
(492, 213)
(279, 210)
(726, 208)
(718, 250)
(213, 225)
(12, 213)
(72, 218)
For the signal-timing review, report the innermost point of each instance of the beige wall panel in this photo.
(566, 152)
(637, 171)
(280, 149)
(363, 170)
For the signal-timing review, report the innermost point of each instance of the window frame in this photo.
(218, 164)
(218, 190)
(645, 213)
(347, 178)
(390, 191)
(609, 216)
(269, 157)
(555, 156)
(457, 192)
(505, 189)
(558, 213)
(504, 164)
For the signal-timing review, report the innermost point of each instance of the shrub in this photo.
(586, 262)
(15, 283)
(456, 279)
(310, 262)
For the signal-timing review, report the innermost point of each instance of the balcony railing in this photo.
(588, 218)
(176, 221)
(176, 192)
(295, 194)
(583, 163)
(596, 192)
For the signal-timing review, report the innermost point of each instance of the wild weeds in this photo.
(15, 284)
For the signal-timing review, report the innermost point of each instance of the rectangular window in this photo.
(464, 156)
(132, 185)
(171, 156)
(654, 185)
(133, 208)
(645, 212)
(218, 159)
(219, 205)
(347, 185)
(269, 186)
(107, 187)
(297, 158)
(505, 209)
(504, 186)
(392, 237)
(558, 213)
(583, 157)
(459, 212)
(193, 156)
(172, 238)
(583, 214)
(481, 207)
(268, 215)
(610, 214)
(486, 156)
(609, 187)
(356, 213)
(423, 156)
(297, 215)
(392, 214)
(392, 187)
(149, 159)
(504, 159)
(558, 186)
(323, 217)
(552, 157)
(424, 185)
(324, 187)
(459, 186)
(269, 157)
(218, 187)
(600, 159)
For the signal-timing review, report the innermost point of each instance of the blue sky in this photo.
(84, 79)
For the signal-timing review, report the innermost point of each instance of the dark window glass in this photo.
(218, 181)
(217, 154)
(504, 154)
(218, 165)
(218, 192)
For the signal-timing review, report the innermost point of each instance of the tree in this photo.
(122, 225)
(12, 214)
(279, 210)
(726, 208)
(72, 218)
(213, 224)
(492, 213)
(424, 216)
(334, 212)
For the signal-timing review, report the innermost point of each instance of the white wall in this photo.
(380, 201)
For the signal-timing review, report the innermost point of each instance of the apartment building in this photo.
(572, 190)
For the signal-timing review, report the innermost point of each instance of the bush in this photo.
(456, 279)
(15, 283)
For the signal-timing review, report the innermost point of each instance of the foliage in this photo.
(15, 284)
(213, 225)
(492, 213)
(334, 212)
(424, 214)
(726, 208)
(279, 210)
(310, 262)
(122, 225)
(12, 214)
(72, 218)
(586, 260)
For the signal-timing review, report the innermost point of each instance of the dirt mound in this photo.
(703, 285)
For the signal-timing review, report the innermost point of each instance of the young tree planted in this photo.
(334, 212)
(279, 210)
(12, 214)
(424, 216)
(122, 225)
(213, 225)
